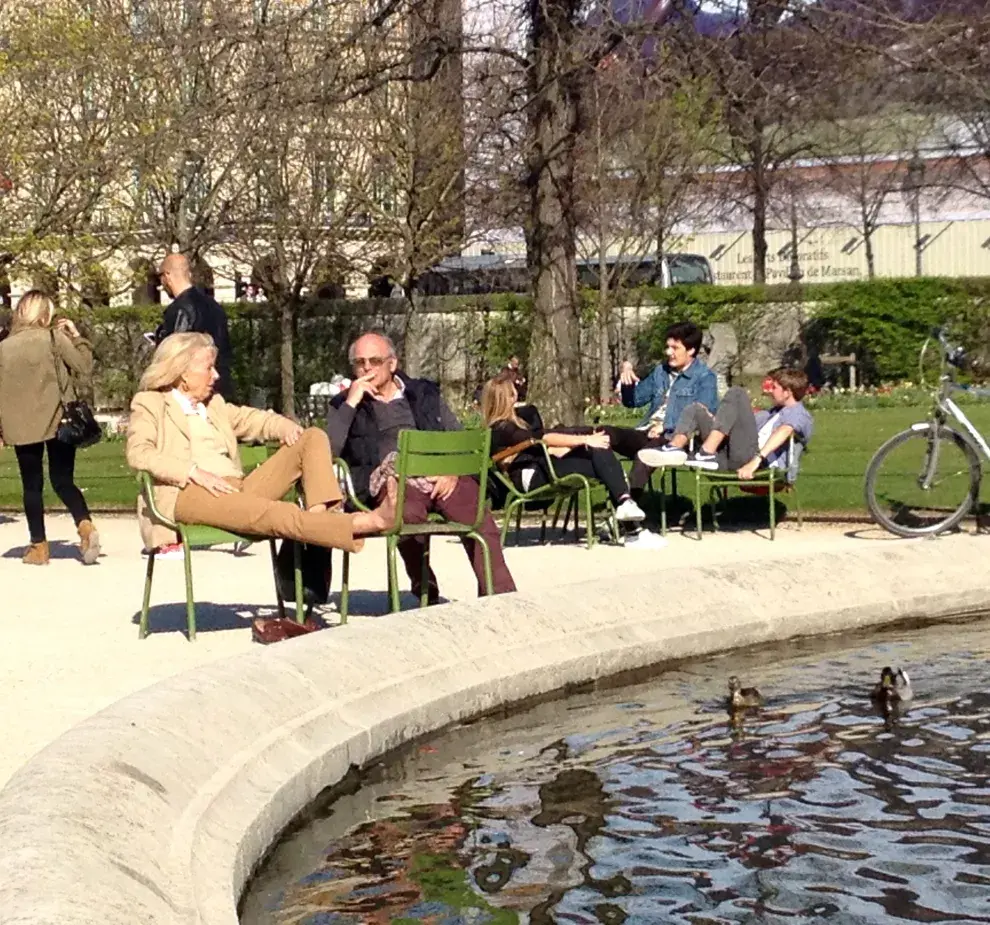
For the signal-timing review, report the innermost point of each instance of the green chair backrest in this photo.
(428, 453)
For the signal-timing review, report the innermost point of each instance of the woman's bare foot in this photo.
(383, 517)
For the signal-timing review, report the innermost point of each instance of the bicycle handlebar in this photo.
(954, 356)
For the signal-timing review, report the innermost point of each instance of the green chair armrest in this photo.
(343, 473)
(147, 487)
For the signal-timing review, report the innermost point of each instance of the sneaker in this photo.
(703, 461)
(629, 510)
(660, 458)
(645, 539)
(171, 551)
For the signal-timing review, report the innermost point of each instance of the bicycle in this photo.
(926, 479)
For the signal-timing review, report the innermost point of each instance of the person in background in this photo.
(194, 309)
(31, 410)
(585, 454)
(736, 438)
(364, 424)
(681, 380)
(186, 438)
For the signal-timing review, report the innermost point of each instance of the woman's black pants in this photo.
(61, 472)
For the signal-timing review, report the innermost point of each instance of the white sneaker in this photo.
(629, 510)
(171, 551)
(662, 457)
(645, 539)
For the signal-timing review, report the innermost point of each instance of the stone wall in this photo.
(157, 810)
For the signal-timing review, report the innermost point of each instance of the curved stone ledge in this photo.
(156, 810)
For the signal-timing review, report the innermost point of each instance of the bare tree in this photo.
(293, 210)
(66, 74)
(198, 80)
(644, 138)
(764, 66)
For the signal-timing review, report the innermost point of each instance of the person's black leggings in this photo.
(628, 442)
(61, 471)
(593, 463)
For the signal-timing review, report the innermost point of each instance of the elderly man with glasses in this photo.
(363, 425)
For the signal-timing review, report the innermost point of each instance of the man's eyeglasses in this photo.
(370, 362)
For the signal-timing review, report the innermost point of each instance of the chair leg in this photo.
(507, 520)
(589, 516)
(424, 589)
(391, 543)
(146, 604)
(345, 582)
(773, 510)
(570, 506)
(298, 581)
(190, 596)
(697, 504)
(487, 557)
(278, 585)
(663, 500)
(519, 513)
(543, 527)
(613, 524)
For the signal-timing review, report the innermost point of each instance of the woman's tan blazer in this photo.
(158, 443)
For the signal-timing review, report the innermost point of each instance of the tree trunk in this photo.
(868, 243)
(760, 197)
(287, 372)
(555, 357)
(604, 359)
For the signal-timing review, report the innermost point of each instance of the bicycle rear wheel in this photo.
(923, 481)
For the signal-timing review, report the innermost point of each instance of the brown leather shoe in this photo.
(89, 542)
(277, 629)
(37, 554)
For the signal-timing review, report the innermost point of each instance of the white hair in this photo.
(389, 344)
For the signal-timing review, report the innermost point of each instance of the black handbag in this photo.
(77, 426)
(316, 571)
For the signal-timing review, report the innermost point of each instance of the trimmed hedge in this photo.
(883, 321)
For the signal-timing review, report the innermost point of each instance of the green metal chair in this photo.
(774, 481)
(425, 453)
(572, 490)
(199, 536)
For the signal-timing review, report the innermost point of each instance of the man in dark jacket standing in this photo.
(194, 309)
(363, 425)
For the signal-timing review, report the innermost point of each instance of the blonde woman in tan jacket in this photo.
(186, 438)
(30, 412)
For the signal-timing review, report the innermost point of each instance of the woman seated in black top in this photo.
(584, 454)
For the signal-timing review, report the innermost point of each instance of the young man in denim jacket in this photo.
(671, 387)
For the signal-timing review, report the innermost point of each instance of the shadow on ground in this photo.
(739, 513)
(368, 604)
(210, 617)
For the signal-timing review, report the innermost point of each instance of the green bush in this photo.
(884, 321)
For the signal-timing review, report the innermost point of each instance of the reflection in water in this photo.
(651, 804)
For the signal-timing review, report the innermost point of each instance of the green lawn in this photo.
(101, 473)
(831, 472)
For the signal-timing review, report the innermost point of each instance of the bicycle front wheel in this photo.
(923, 481)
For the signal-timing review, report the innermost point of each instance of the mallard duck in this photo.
(893, 686)
(740, 697)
